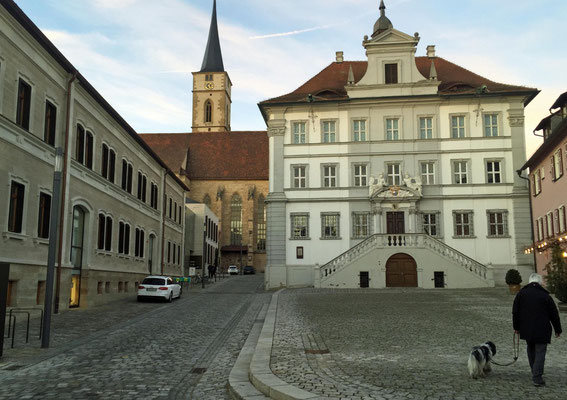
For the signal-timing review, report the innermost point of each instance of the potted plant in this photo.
(556, 279)
(513, 280)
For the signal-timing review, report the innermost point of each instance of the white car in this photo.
(233, 270)
(161, 287)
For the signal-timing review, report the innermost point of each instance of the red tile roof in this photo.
(231, 155)
(329, 84)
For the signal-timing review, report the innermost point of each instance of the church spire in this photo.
(383, 22)
(212, 62)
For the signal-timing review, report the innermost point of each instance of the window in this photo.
(425, 127)
(179, 254)
(84, 147)
(299, 226)
(557, 165)
(16, 212)
(392, 131)
(24, 105)
(430, 224)
(108, 163)
(236, 220)
(463, 224)
(460, 172)
(536, 182)
(329, 176)
(123, 238)
(329, 131)
(175, 211)
(360, 175)
(330, 225)
(299, 132)
(549, 225)
(208, 111)
(139, 243)
(493, 172)
(127, 171)
(390, 73)
(393, 174)
(457, 126)
(360, 225)
(208, 77)
(490, 125)
(427, 172)
(142, 186)
(299, 252)
(170, 207)
(104, 232)
(154, 196)
(539, 229)
(44, 215)
(299, 176)
(561, 217)
(497, 223)
(179, 214)
(261, 224)
(359, 130)
(50, 123)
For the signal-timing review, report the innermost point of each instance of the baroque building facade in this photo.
(120, 203)
(396, 171)
(226, 170)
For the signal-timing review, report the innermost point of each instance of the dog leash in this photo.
(516, 345)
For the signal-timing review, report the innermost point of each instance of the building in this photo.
(120, 202)
(396, 171)
(201, 237)
(226, 170)
(548, 186)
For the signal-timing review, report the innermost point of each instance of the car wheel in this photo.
(170, 299)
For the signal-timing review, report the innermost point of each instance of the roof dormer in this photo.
(561, 102)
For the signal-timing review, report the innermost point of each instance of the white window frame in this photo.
(539, 227)
(294, 218)
(557, 164)
(495, 175)
(459, 127)
(296, 180)
(361, 225)
(360, 175)
(329, 135)
(300, 136)
(427, 177)
(330, 226)
(425, 132)
(393, 177)
(549, 225)
(392, 133)
(426, 222)
(360, 134)
(463, 224)
(536, 182)
(493, 125)
(561, 216)
(329, 175)
(459, 173)
(503, 223)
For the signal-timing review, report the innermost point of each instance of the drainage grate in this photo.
(198, 370)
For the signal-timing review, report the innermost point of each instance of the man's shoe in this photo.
(538, 384)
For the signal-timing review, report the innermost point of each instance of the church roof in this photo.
(212, 61)
(234, 155)
(329, 84)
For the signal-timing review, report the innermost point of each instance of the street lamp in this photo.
(51, 253)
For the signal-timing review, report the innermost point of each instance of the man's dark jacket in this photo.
(534, 312)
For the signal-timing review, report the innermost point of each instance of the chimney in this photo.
(340, 57)
(431, 51)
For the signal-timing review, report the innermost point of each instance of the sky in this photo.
(139, 54)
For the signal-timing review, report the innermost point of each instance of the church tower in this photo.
(211, 87)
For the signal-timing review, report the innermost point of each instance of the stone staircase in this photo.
(405, 243)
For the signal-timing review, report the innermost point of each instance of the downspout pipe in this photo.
(519, 172)
(63, 191)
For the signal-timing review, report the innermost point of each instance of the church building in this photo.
(226, 170)
(396, 171)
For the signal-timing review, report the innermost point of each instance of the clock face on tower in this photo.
(209, 85)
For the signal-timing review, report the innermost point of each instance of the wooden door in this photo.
(364, 279)
(395, 222)
(401, 271)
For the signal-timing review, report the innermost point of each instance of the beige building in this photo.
(121, 204)
(226, 170)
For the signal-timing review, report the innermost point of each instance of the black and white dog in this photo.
(479, 359)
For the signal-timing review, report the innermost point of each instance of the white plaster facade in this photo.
(298, 187)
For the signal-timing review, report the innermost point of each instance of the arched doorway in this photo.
(151, 253)
(401, 271)
(77, 256)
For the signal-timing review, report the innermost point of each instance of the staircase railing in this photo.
(405, 240)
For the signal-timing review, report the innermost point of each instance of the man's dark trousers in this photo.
(536, 357)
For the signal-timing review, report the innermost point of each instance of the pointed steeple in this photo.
(383, 23)
(350, 79)
(212, 62)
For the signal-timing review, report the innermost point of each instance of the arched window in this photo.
(208, 111)
(261, 224)
(236, 220)
(207, 200)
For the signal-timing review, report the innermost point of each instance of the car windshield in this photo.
(153, 281)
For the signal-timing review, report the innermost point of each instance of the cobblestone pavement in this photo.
(404, 344)
(130, 350)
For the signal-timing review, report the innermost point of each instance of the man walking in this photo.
(534, 313)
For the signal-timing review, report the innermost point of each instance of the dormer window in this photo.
(390, 73)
